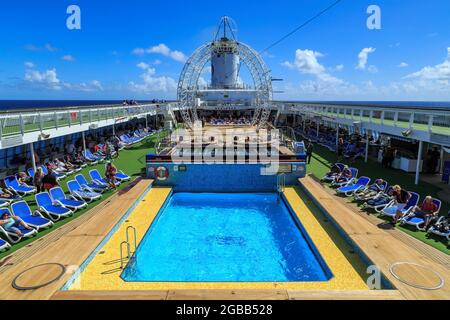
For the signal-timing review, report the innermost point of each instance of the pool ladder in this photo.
(281, 184)
(127, 244)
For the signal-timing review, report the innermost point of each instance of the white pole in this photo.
(84, 142)
(337, 136)
(114, 129)
(33, 158)
(367, 148)
(318, 128)
(441, 166)
(419, 160)
(146, 121)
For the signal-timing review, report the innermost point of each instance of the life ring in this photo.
(161, 173)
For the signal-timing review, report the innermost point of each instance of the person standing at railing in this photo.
(309, 151)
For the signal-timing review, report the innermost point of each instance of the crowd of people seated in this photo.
(394, 202)
(227, 121)
(16, 219)
(351, 146)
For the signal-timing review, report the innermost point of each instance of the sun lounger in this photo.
(13, 184)
(12, 237)
(350, 189)
(419, 222)
(70, 202)
(391, 209)
(22, 210)
(46, 205)
(78, 192)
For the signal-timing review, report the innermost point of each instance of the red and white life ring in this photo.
(161, 173)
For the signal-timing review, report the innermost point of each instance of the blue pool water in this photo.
(204, 237)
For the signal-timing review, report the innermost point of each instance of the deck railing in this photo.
(431, 120)
(19, 123)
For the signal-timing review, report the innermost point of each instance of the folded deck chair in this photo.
(54, 212)
(78, 192)
(4, 245)
(70, 202)
(22, 210)
(350, 189)
(437, 230)
(97, 178)
(90, 186)
(419, 222)
(346, 181)
(13, 184)
(391, 209)
(12, 237)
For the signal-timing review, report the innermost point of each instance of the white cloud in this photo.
(143, 65)
(152, 83)
(48, 78)
(306, 63)
(90, 86)
(430, 83)
(29, 64)
(403, 65)
(46, 47)
(337, 68)
(163, 50)
(440, 72)
(202, 82)
(68, 58)
(363, 58)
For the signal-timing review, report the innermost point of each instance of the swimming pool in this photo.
(225, 237)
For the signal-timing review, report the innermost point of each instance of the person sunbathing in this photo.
(401, 198)
(6, 194)
(334, 171)
(372, 191)
(344, 175)
(426, 211)
(11, 223)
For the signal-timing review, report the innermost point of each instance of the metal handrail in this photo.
(133, 229)
(121, 253)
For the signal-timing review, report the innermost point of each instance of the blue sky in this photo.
(136, 49)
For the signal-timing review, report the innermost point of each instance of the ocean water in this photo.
(37, 104)
(210, 237)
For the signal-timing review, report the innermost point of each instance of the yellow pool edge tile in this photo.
(103, 272)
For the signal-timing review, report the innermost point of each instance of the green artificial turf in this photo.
(131, 161)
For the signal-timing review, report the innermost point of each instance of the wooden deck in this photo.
(385, 247)
(70, 245)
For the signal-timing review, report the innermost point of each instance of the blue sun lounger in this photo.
(12, 237)
(4, 245)
(70, 202)
(22, 210)
(435, 229)
(391, 209)
(331, 178)
(418, 222)
(97, 178)
(346, 181)
(13, 184)
(78, 192)
(361, 184)
(54, 212)
(90, 186)
(122, 176)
